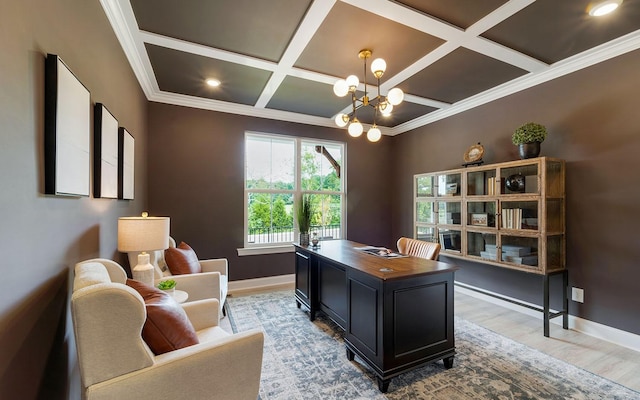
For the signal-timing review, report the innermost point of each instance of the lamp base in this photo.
(143, 272)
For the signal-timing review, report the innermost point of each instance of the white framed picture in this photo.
(67, 131)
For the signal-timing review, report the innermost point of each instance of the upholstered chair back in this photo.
(108, 317)
(419, 248)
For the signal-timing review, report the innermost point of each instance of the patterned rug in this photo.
(307, 360)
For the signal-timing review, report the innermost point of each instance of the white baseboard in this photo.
(597, 330)
(270, 282)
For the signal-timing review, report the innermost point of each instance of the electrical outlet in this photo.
(577, 294)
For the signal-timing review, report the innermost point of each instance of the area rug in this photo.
(307, 360)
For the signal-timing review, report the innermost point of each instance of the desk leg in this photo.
(448, 362)
(383, 384)
(350, 355)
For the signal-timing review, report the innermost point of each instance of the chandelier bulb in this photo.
(374, 134)
(395, 96)
(352, 82)
(341, 120)
(355, 128)
(340, 88)
(378, 66)
(386, 108)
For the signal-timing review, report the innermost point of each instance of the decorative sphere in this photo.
(515, 183)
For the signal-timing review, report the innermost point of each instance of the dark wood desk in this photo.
(397, 313)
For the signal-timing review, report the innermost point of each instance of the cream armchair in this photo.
(116, 363)
(213, 282)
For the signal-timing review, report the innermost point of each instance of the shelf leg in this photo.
(565, 305)
(545, 310)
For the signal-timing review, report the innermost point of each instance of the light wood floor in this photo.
(616, 363)
(600, 357)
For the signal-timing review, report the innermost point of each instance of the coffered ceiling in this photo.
(279, 59)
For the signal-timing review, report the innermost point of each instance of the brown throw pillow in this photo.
(167, 327)
(182, 260)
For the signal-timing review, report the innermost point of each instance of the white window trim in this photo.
(276, 248)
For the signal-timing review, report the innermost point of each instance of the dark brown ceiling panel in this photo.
(334, 48)
(461, 13)
(458, 75)
(324, 38)
(551, 30)
(261, 29)
(185, 73)
(307, 97)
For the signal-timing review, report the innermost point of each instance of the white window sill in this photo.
(254, 251)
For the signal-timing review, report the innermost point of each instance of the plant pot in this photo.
(304, 239)
(529, 150)
(170, 292)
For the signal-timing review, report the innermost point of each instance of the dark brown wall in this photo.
(42, 237)
(196, 176)
(593, 123)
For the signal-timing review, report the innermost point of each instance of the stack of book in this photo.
(491, 186)
(514, 254)
(512, 218)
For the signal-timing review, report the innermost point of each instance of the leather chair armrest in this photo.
(203, 313)
(215, 265)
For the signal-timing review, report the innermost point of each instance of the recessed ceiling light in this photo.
(603, 7)
(213, 82)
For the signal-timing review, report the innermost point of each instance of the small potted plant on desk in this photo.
(528, 138)
(303, 214)
(168, 286)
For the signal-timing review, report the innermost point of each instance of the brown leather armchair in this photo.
(419, 248)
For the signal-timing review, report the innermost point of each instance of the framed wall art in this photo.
(67, 131)
(126, 147)
(105, 157)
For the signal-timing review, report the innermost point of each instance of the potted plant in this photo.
(528, 138)
(168, 286)
(303, 214)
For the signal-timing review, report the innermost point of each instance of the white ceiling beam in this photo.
(310, 23)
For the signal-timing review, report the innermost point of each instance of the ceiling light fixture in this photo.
(603, 7)
(381, 104)
(213, 82)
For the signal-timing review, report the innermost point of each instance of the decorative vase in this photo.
(304, 239)
(529, 150)
(314, 239)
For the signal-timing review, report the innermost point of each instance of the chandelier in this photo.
(381, 104)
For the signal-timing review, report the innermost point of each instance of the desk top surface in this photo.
(345, 252)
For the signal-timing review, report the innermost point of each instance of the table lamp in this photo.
(143, 234)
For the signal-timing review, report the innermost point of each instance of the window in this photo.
(278, 171)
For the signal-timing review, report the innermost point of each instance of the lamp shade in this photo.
(143, 233)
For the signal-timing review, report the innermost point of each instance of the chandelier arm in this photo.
(365, 77)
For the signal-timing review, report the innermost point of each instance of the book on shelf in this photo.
(512, 218)
(488, 255)
(524, 260)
